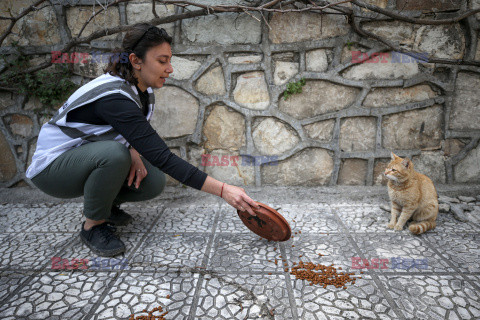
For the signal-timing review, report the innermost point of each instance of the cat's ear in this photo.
(406, 163)
(394, 156)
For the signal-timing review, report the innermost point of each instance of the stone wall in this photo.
(225, 97)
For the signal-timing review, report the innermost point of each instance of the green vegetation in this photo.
(293, 88)
(349, 45)
(51, 86)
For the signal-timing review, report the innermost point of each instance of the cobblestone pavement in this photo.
(190, 254)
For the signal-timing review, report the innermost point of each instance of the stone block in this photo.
(32, 103)
(251, 91)
(311, 167)
(78, 15)
(8, 167)
(475, 4)
(452, 147)
(316, 60)
(431, 164)
(183, 68)
(386, 97)
(379, 3)
(245, 30)
(379, 172)
(465, 113)
(273, 137)
(141, 12)
(444, 42)
(322, 130)
(284, 71)
(212, 82)
(245, 59)
(349, 50)
(429, 5)
(353, 172)
(411, 130)
(295, 27)
(385, 68)
(399, 32)
(312, 102)
(195, 155)
(7, 99)
(39, 27)
(358, 134)
(467, 170)
(19, 125)
(230, 173)
(178, 113)
(224, 129)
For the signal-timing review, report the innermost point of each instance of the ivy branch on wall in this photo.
(30, 78)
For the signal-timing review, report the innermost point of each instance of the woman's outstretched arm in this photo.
(235, 196)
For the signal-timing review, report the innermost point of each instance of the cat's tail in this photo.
(421, 227)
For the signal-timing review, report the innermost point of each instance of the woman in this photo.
(101, 142)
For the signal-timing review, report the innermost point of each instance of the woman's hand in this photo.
(237, 198)
(137, 169)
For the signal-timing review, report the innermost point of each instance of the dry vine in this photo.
(353, 13)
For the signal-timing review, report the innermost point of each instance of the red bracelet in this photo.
(221, 192)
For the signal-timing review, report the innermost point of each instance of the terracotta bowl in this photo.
(268, 223)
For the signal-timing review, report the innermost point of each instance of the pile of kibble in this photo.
(322, 275)
(150, 315)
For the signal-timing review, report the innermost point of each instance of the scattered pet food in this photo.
(150, 315)
(321, 274)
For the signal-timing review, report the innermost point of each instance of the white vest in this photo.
(58, 135)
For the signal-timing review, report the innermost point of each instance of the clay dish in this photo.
(268, 223)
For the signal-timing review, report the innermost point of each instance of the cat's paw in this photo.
(398, 227)
(390, 225)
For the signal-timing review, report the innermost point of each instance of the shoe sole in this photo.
(104, 253)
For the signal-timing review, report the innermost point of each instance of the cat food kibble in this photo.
(150, 315)
(322, 275)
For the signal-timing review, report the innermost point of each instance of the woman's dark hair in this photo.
(138, 40)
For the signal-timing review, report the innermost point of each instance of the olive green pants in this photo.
(98, 171)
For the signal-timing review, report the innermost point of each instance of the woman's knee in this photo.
(156, 184)
(116, 153)
(160, 183)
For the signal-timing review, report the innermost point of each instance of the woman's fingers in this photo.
(131, 175)
(238, 199)
(251, 202)
(246, 207)
(141, 174)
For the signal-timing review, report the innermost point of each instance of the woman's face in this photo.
(155, 68)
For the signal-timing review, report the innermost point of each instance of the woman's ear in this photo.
(135, 61)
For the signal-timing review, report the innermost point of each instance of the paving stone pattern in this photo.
(200, 262)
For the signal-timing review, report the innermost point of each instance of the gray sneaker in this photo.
(102, 240)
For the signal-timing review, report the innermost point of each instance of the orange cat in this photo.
(412, 195)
